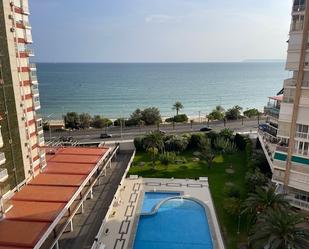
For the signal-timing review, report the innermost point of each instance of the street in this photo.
(128, 133)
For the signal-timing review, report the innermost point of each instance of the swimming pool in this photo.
(178, 224)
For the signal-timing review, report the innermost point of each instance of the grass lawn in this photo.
(217, 181)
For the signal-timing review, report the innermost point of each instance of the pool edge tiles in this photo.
(120, 226)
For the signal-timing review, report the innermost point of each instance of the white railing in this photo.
(29, 52)
(298, 203)
(33, 78)
(302, 135)
(32, 66)
(2, 158)
(3, 175)
(35, 89)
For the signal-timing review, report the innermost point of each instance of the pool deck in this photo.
(120, 224)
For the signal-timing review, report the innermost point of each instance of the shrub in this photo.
(139, 143)
(167, 157)
(227, 133)
(118, 121)
(195, 140)
(233, 113)
(222, 144)
(232, 191)
(100, 122)
(151, 116)
(251, 113)
(71, 120)
(255, 179)
(176, 143)
(181, 118)
(232, 206)
(240, 142)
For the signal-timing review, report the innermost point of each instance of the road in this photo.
(127, 133)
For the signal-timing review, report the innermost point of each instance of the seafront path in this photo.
(127, 133)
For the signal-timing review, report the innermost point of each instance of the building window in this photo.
(289, 95)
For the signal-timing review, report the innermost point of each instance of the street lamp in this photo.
(49, 129)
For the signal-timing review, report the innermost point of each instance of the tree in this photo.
(177, 106)
(154, 139)
(176, 143)
(232, 205)
(255, 179)
(279, 229)
(251, 113)
(100, 122)
(151, 116)
(71, 120)
(85, 120)
(153, 151)
(263, 199)
(223, 144)
(135, 118)
(207, 152)
(233, 113)
(217, 113)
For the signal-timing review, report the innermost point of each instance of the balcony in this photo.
(36, 103)
(302, 135)
(2, 158)
(26, 25)
(272, 110)
(290, 83)
(299, 8)
(35, 89)
(32, 66)
(33, 78)
(3, 175)
(41, 140)
(29, 52)
(24, 6)
(282, 148)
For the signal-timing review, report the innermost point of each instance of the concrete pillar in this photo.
(56, 246)
(71, 226)
(82, 208)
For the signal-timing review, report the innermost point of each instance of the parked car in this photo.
(263, 127)
(206, 128)
(105, 135)
(66, 139)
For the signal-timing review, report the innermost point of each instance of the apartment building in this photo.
(286, 139)
(21, 133)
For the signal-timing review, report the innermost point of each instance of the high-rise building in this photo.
(285, 139)
(21, 133)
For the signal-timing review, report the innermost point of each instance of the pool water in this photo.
(153, 198)
(179, 224)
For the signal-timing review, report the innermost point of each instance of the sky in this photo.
(159, 30)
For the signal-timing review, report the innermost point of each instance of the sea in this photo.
(115, 90)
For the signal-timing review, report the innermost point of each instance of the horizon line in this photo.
(164, 62)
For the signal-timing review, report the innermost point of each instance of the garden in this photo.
(239, 179)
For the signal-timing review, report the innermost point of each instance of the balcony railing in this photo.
(35, 90)
(298, 8)
(290, 82)
(302, 135)
(33, 79)
(26, 25)
(298, 203)
(37, 104)
(2, 158)
(32, 66)
(272, 110)
(29, 52)
(282, 148)
(3, 175)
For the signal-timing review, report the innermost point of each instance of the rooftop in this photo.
(40, 205)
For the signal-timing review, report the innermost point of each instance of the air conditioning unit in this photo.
(11, 17)
(12, 29)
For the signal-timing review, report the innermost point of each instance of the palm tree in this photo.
(207, 153)
(154, 139)
(280, 229)
(265, 198)
(177, 106)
